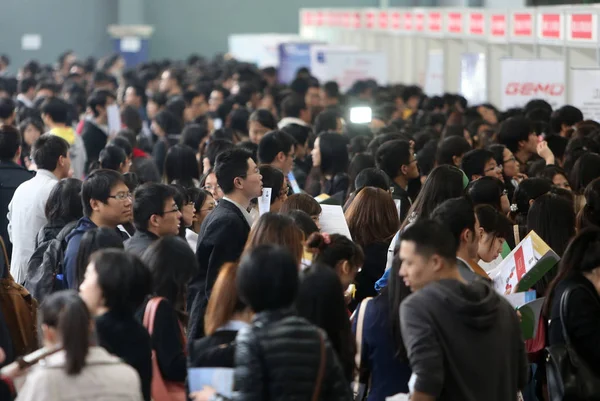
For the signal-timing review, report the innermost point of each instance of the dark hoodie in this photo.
(73, 239)
(463, 342)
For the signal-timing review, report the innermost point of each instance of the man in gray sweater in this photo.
(462, 339)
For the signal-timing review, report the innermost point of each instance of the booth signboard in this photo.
(434, 77)
(582, 27)
(523, 80)
(585, 92)
(550, 26)
(477, 24)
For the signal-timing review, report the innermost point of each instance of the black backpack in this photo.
(45, 267)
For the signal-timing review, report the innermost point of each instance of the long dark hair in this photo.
(64, 203)
(334, 153)
(66, 312)
(395, 292)
(181, 165)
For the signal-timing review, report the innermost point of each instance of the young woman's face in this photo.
(561, 181)
(489, 246)
(31, 134)
(213, 187)
(256, 131)
(207, 207)
(90, 290)
(188, 213)
(316, 154)
(510, 164)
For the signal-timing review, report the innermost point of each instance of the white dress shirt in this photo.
(26, 216)
(242, 209)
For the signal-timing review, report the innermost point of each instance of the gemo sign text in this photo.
(534, 89)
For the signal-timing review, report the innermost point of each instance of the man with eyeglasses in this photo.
(106, 203)
(155, 215)
(479, 163)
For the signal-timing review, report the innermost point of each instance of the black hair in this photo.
(359, 163)
(558, 145)
(334, 153)
(178, 75)
(66, 312)
(320, 300)
(97, 186)
(474, 161)
(272, 178)
(47, 150)
(585, 170)
(93, 240)
(450, 147)
(131, 119)
(528, 189)
(268, 278)
(168, 122)
(99, 98)
(457, 215)
(7, 108)
(215, 147)
(189, 96)
(192, 136)
(326, 121)
(493, 222)
(64, 202)
(300, 133)
(26, 84)
(395, 293)
(337, 249)
(123, 143)
(198, 196)
(230, 164)
(57, 109)
(140, 92)
(265, 118)
(167, 282)
(567, 115)
(577, 147)
(149, 199)
(10, 140)
(486, 191)
(426, 157)
(292, 106)
(303, 221)
(514, 130)
(181, 165)
(112, 157)
(552, 217)
(176, 105)
(432, 238)
(537, 104)
(238, 120)
(392, 155)
(159, 98)
(131, 180)
(331, 89)
(372, 177)
(124, 279)
(272, 144)
(549, 171)
(589, 215)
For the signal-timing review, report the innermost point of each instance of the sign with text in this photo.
(550, 26)
(383, 20)
(585, 92)
(419, 22)
(434, 77)
(523, 80)
(455, 22)
(477, 24)
(498, 26)
(396, 22)
(293, 56)
(582, 27)
(522, 25)
(434, 23)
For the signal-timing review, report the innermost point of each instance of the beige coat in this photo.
(104, 378)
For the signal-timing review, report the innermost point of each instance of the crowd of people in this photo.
(144, 252)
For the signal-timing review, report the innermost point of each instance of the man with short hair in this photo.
(397, 159)
(95, 130)
(26, 211)
(172, 82)
(195, 105)
(27, 90)
(479, 163)
(7, 111)
(330, 95)
(11, 176)
(564, 119)
(155, 215)
(519, 136)
(312, 98)
(294, 111)
(458, 216)
(55, 113)
(225, 230)
(277, 149)
(106, 203)
(451, 329)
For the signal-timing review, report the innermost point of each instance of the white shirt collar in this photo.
(242, 209)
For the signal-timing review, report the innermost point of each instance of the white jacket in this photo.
(104, 378)
(26, 216)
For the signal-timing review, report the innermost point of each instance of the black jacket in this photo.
(278, 358)
(582, 320)
(400, 194)
(94, 140)
(215, 351)
(140, 241)
(125, 337)
(221, 239)
(372, 270)
(11, 176)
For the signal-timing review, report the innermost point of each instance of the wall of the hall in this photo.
(63, 24)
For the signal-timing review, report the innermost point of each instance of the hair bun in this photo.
(316, 243)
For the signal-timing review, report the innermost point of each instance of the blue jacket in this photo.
(382, 282)
(73, 239)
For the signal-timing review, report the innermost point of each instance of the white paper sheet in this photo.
(264, 202)
(221, 379)
(114, 119)
(333, 221)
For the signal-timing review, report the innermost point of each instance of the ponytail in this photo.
(334, 248)
(112, 157)
(67, 313)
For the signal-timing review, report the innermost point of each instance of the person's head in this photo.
(444, 182)
(217, 97)
(273, 178)
(451, 151)
(181, 165)
(303, 221)
(517, 134)
(186, 205)
(64, 202)
(92, 241)
(224, 303)
(115, 281)
(564, 118)
(195, 105)
(31, 129)
(294, 106)
(155, 210)
(273, 228)
(204, 203)
(558, 146)
(237, 173)
(156, 103)
(213, 149)
(169, 282)
(300, 133)
(458, 216)
(479, 163)
(330, 94)
(589, 215)
(54, 111)
(209, 183)
(135, 95)
(372, 217)
(106, 198)
(98, 103)
(194, 136)
(339, 253)
(489, 191)
(261, 122)
(552, 217)
(10, 143)
(113, 158)
(305, 203)
(331, 153)
(428, 253)
(312, 98)
(66, 320)
(51, 152)
(396, 158)
(328, 120)
(411, 97)
(372, 177)
(277, 149)
(505, 158)
(557, 175)
(268, 278)
(585, 170)
(172, 81)
(166, 123)
(494, 228)
(7, 110)
(527, 192)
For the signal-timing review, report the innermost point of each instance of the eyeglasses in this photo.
(121, 196)
(496, 168)
(174, 210)
(208, 209)
(512, 159)
(210, 188)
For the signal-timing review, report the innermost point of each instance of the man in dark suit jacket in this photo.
(225, 230)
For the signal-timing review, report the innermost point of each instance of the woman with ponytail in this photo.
(81, 370)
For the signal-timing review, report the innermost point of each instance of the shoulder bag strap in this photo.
(359, 333)
(563, 309)
(517, 234)
(150, 313)
(322, 363)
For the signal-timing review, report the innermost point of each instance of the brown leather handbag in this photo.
(20, 311)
